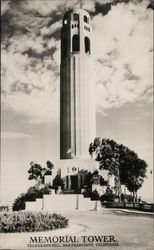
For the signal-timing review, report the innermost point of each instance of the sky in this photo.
(30, 55)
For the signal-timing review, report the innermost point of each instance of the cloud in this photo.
(88, 5)
(4, 7)
(122, 54)
(122, 46)
(49, 31)
(32, 91)
(14, 135)
(30, 81)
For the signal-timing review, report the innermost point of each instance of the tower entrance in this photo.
(74, 182)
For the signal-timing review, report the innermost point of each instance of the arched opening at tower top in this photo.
(85, 18)
(87, 45)
(75, 43)
(75, 17)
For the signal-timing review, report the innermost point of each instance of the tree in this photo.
(107, 153)
(132, 169)
(58, 182)
(88, 178)
(120, 161)
(36, 172)
(49, 165)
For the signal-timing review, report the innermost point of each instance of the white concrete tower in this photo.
(77, 89)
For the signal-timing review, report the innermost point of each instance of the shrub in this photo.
(30, 222)
(129, 198)
(95, 195)
(87, 192)
(19, 203)
(42, 191)
(31, 195)
(58, 182)
(122, 197)
(108, 196)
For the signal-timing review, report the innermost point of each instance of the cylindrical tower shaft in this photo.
(77, 90)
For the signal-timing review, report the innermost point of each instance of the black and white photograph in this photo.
(77, 125)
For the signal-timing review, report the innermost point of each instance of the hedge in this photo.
(30, 222)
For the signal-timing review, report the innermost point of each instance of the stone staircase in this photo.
(54, 201)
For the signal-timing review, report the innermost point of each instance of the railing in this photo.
(147, 207)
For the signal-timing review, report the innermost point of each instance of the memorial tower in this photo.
(77, 89)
